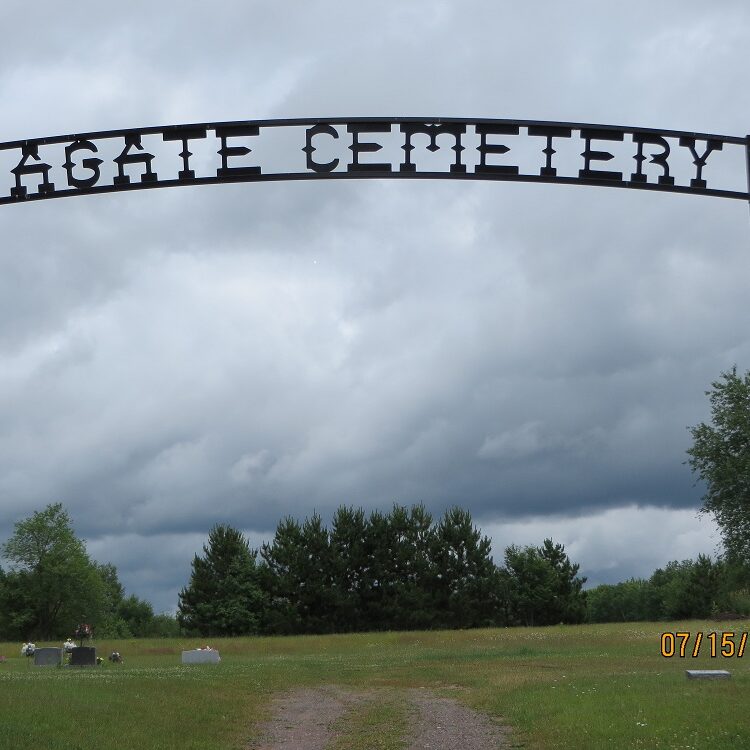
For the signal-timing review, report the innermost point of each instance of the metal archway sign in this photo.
(342, 148)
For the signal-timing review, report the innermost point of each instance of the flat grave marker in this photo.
(708, 674)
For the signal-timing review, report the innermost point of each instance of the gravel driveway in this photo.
(303, 720)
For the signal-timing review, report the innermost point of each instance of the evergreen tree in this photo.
(413, 573)
(317, 598)
(377, 592)
(530, 588)
(112, 624)
(569, 600)
(465, 581)
(223, 597)
(349, 565)
(544, 588)
(281, 577)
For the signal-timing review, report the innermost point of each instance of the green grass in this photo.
(583, 687)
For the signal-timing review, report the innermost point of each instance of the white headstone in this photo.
(201, 656)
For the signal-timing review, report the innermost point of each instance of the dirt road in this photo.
(305, 718)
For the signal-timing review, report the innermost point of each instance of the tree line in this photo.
(386, 571)
(686, 590)
(382, 571)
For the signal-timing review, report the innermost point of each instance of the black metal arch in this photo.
(353, 140)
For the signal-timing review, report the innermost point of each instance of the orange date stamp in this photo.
(726, 644)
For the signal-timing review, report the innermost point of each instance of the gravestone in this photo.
(83, 656)
(707, 674)
(48, 657)
(201, 656)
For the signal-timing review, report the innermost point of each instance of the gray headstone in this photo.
(83, 656)
(707, 674)
(48, 657)
(201, 656)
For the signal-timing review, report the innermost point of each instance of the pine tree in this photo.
(281, 576)
(412, 539)
(316, 596)
(466, 580)
(349, 565)
(569, 602)
(223, 597)
(544, 587)
(376, 592)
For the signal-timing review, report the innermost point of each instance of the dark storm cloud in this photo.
(174, 358)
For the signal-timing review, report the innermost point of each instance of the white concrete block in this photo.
(201, 656)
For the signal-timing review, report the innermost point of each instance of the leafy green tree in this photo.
(687, 589)
(112, 625)
(52, 584)
(137, 616)
(684, 590)
(703, 587)
(629, 601)
(164, 625)
(720, 456)
(223, 597)
(17, 611)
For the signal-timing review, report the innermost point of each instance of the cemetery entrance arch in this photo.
(346, 148)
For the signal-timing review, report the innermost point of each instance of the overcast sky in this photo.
(175, 358)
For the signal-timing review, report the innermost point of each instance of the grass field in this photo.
(582, 687)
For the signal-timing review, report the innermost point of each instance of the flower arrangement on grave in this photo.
(115, 658)
(28, 649)
(83, 632)
(68, 646)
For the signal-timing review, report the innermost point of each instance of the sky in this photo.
(177, 358)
